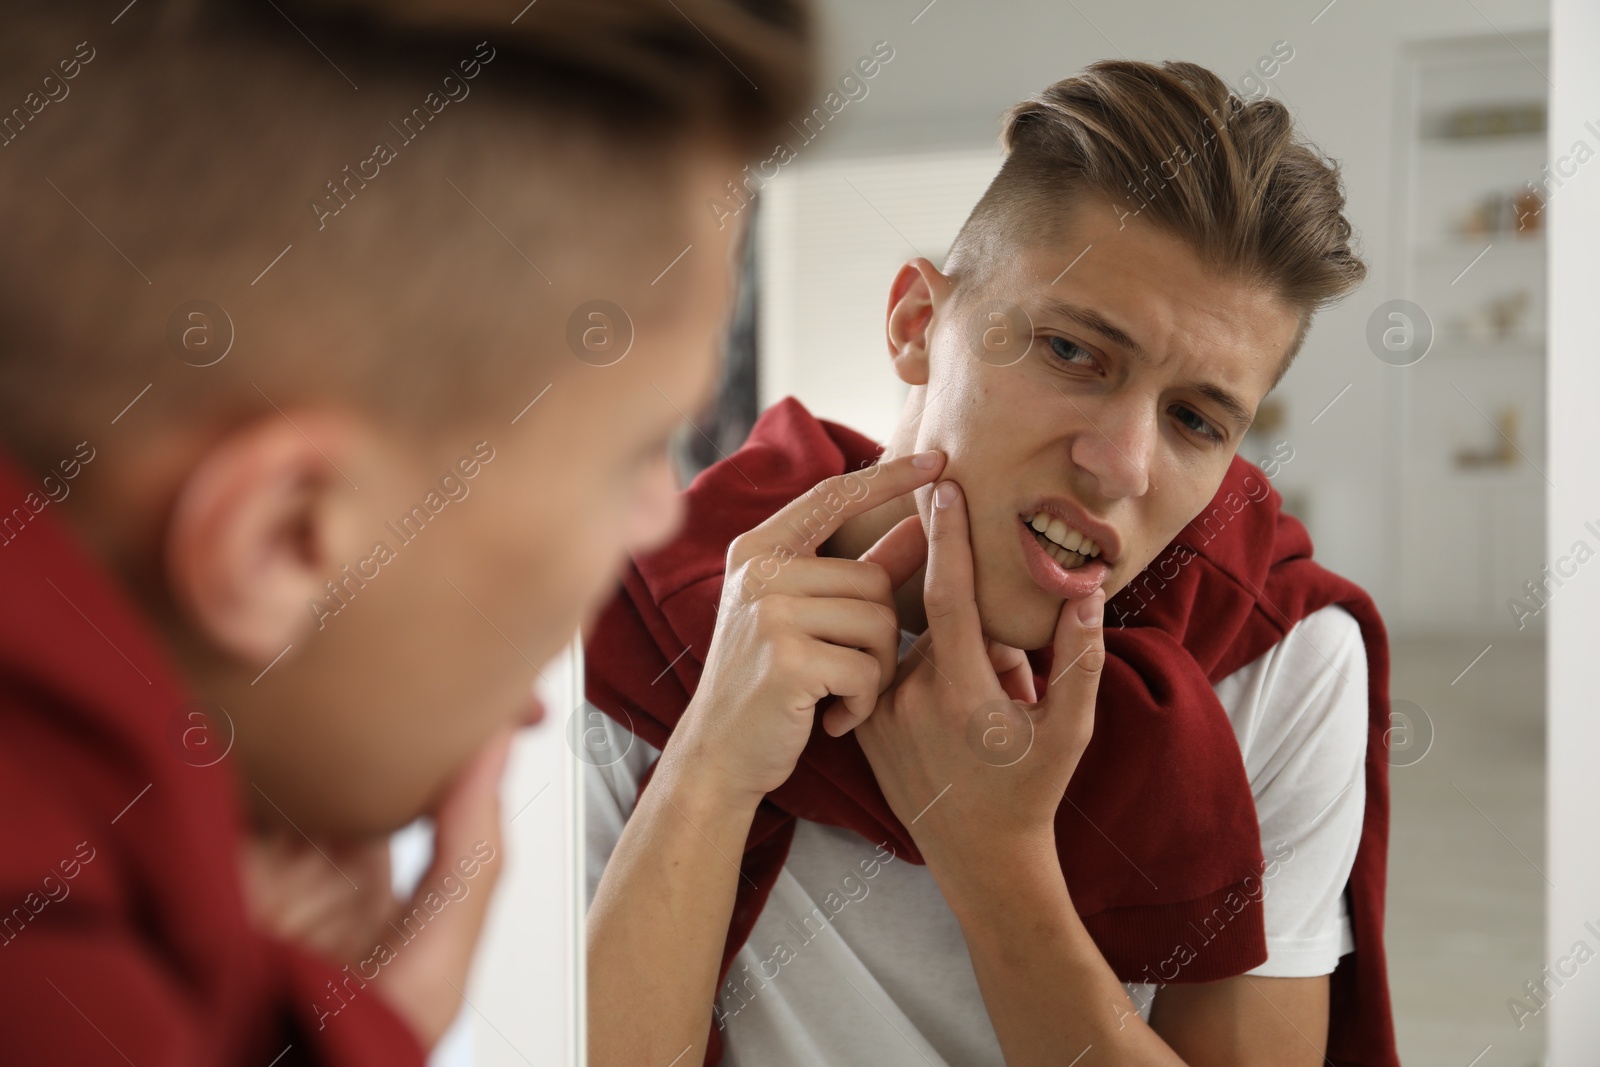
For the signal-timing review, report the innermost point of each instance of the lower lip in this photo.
(1055, 579)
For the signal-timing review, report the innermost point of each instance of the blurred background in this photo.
(1415, 412)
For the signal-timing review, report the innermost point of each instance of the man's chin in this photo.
(1025, 625)
(1025, 616)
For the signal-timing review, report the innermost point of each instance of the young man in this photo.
(342, 347)
(966, 877)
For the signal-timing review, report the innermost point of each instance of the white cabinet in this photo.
(1443, 544)
(1470, 473)
(1467, 549)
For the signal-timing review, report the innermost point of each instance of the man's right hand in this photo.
(794, 628)
(297, 891)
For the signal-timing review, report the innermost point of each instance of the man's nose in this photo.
(1116, 445)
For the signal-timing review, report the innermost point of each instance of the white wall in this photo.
(526, 986)
(1573, 788)
(827, 258)
(525, 993)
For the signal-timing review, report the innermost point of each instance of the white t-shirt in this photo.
(856, 958)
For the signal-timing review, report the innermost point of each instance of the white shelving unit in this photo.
(1468, 473)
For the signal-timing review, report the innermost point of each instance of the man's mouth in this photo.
(1066, 546)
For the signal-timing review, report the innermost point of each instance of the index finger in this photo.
(801, 526)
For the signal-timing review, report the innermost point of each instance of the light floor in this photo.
(1466, 892)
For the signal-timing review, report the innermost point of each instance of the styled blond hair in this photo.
(1173, 145)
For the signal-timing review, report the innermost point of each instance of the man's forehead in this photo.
(1151, 303)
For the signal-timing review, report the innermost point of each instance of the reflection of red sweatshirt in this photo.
(123, 936)
(1158, 833)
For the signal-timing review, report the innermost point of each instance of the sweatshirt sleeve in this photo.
(123, 939)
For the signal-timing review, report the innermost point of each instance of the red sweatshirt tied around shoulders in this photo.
(1157, 835)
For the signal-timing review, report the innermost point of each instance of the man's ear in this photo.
(257, 525)
(919, 290)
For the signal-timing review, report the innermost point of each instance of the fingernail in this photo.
(944, 494)
(925, 460)
(1092, 609)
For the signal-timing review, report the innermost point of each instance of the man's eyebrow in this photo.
(1231, 405)
(1097, 322)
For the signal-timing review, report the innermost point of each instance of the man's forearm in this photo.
(1050, 994)
(659, 920)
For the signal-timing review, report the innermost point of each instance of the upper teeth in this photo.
(1061, 534)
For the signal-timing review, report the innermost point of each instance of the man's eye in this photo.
(1199, 425)
(1067, 351)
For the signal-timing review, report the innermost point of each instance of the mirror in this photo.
(1408, 438)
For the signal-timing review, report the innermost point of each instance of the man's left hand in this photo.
(968, 760)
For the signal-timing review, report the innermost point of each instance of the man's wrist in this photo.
(1008, 871)
(1010, 911)
(700, 792)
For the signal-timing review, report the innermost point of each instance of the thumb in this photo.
(434, 935)
(1079, 654)
(948, 590)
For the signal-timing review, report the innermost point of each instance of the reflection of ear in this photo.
(255, 528)
(919, 290)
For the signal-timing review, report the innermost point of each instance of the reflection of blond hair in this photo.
(1173, 145)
